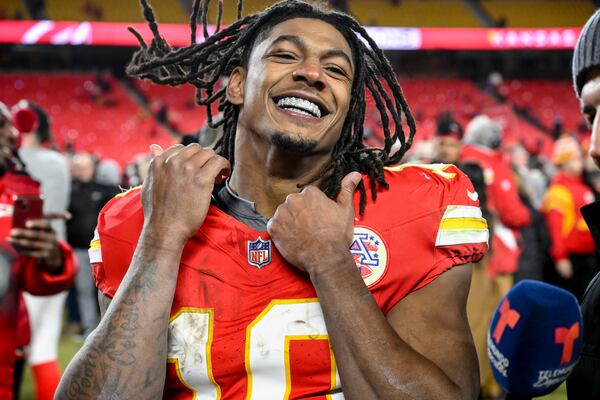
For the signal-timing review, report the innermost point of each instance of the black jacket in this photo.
(584, 382)
(87, 199)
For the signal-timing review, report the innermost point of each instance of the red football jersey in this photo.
(246, 324)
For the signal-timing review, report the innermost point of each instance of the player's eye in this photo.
(284, 56)
(335, 70)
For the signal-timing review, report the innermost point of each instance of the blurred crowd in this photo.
(531, 203)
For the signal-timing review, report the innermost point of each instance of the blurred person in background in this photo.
(51, 170)
(88, 196)
(584, 382)
(447, 142)
(32, 259)
(136, 171)
(108, 172)
(532, 185)
(448, 148)
(572, 245)
(507, 215)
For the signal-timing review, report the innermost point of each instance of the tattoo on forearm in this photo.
(114, 364)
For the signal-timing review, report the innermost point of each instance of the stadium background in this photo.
(522, 77)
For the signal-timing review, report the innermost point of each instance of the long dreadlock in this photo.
(202, 65)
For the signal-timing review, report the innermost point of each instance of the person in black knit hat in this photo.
(584, 382)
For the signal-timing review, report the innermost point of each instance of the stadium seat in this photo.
(113, 10)
(556, 13)
(183, 113)
(549, 101)
(111, 125)
(11, 9)
(417, 13)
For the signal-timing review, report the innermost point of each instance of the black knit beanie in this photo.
(587, 51)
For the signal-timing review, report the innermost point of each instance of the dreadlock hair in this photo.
(202, 64)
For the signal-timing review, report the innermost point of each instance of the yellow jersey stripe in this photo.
(463, 223)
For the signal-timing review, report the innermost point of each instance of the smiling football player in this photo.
(291, 261)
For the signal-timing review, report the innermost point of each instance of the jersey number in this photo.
(268, 340)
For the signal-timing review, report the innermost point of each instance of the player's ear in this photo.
(235, 86)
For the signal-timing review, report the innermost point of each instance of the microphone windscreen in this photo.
(534, 338)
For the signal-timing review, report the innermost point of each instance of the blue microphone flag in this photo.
(534, 338)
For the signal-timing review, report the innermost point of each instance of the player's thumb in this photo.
(348, 186)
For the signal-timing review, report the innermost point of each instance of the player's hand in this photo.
(311, 231)
(38, 240)
(177, 191)
(564, 268)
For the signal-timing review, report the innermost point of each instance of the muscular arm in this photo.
(125, 356)
(103, 303)
(423, 350)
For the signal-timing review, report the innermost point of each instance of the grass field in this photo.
(69, 347)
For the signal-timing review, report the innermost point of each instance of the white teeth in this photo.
(300, 106)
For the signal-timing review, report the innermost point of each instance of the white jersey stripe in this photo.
(463, 236)
(462, 212)
(95, 255)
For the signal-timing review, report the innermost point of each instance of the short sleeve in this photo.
(461, 232)
(431, 222)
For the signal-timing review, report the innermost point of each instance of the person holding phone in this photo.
(31, 257)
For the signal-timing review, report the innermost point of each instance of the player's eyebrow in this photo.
(298, 41)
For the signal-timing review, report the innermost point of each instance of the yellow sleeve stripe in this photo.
(95, 245)
(438, 169)
(463, 223)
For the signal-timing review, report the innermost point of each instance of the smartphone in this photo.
(26, 208)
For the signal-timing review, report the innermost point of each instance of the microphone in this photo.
(534, 339)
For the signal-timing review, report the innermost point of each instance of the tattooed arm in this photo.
(126, 356)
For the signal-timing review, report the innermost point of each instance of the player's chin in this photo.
(294, 143)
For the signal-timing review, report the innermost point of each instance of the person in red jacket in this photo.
(31, 259)
(572, 246)
(482, 141)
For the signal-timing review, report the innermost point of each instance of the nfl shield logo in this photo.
(259, 252)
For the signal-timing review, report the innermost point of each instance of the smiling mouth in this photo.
(301, 106)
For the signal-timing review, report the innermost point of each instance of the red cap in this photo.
(24, 119)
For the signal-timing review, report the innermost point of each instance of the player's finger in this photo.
(348, 186)
(164, 156)
(217, 167)
(155, 150)
(191, 150)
